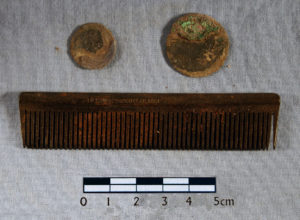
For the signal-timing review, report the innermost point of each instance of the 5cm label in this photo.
(223, 202)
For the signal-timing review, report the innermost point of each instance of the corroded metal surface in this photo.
(148, 121)
(92, 46)
(197, 45)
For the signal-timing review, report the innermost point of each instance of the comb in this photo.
(148, 121)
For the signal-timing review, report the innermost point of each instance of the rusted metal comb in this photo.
(148, 121)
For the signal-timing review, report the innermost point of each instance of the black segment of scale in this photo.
(149, 181)
(96, 181)
(202, 181)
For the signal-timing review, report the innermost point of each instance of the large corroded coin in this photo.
(92, 46)
(197, 45)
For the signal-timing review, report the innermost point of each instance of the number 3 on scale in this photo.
(165, 201)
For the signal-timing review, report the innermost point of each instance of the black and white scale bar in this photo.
(149, 185)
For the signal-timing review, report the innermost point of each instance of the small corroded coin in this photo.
(197, 45)
(92, 46)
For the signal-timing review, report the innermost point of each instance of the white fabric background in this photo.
(264, 57)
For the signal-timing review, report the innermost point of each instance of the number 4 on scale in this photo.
(189, 200)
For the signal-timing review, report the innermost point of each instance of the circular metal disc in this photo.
(92, 46)
(197, 45)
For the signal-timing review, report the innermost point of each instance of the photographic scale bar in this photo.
(149, 185)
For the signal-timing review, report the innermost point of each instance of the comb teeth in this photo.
(148, 121)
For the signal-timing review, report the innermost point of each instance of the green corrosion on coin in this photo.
(195, 29)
